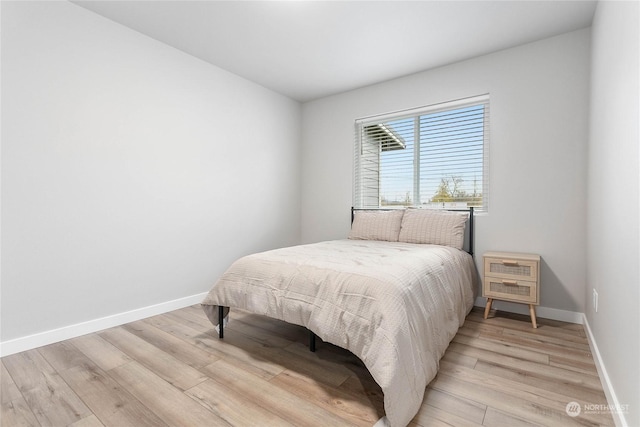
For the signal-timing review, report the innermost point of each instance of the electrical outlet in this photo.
(595, 300)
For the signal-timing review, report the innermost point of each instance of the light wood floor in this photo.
(172, 370)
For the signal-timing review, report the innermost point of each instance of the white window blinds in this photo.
(435, 156)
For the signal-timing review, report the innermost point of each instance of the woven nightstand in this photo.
(512, 277)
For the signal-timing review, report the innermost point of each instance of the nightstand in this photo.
(512, 277)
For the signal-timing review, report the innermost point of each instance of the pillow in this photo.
(433, 227)
(376, 225)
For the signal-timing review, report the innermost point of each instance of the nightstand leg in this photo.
(487, 307)
(532, 311)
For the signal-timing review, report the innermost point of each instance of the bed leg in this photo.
(221, 321)
(312, 341)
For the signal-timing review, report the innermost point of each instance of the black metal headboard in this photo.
(470, 228)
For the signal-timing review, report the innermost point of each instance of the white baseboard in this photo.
(612, 399)
(67, 332)
(545, 312)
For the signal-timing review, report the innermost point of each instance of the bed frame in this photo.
(312, 336)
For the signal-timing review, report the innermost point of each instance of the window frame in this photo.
(362, 173)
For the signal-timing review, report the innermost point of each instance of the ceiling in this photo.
(311, 49)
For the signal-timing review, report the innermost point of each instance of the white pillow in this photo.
(376, 225)
(433, 227)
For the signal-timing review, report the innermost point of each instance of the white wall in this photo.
(613, 211)
(539, 110)
(132, 174)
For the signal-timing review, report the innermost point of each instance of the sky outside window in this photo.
(446, 165)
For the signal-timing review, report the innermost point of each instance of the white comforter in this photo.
(394, 305)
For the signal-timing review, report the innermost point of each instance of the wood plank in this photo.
(481, 326)
(223, 348)
(163, 399)
(321, 372)
(358, 410)
(525, 326)
(232, 406)
(429, 415)
(206, 340)
(8, 389)
(334, 370)
(566, 388)
(16, 413)
(45, 392)
(265, 331)
(165, 365)
(254, 341)
(90, 421)
(503, 401)
(262, 348)
(551, 401)
(495, 418)
(578, 342)
(286, 404)
(584, 366)
(463, 408)
(111, 403)
(469, 332)
(263, 337)
(366, 387)
(187, 353)
(433, 422)
(460, 359)
(270, 332)
(503, 348)
(100, 351)
(523, 319)
(539, 346)
(527, 366)
(341, 365)
(62, 356)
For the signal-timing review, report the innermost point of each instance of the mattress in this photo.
(394, 305)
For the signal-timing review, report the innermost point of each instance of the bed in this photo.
(394, 294)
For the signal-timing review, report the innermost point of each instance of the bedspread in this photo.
(394, 305)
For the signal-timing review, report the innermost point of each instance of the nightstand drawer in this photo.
(510, 289)
(509, 268)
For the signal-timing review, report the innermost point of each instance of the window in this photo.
(435, 157)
